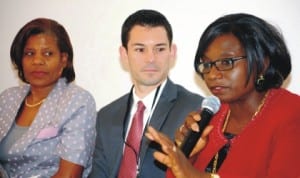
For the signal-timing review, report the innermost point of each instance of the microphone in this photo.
(209, 107)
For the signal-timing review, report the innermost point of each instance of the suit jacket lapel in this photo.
(11, 110)
(164, 105)
(39, 122)
(120, 124)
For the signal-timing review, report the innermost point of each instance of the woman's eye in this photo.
(28, 53)
(226, 62)
(206, 64)
(48, 53)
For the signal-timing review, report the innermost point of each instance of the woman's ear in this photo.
(64, 62)
(64, 59)
(266, 64)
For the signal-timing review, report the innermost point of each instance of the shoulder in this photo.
(78, 91)
(14, 92)
(113, 111)
(181, 92)
(70, 97)
(284, 99)
(283, 104)
(71, 91)
(291, 96)
(119, 102)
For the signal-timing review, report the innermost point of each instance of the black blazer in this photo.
(173, 105)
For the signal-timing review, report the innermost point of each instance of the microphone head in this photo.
(211, 103)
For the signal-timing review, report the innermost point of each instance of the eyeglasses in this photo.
(220, 64)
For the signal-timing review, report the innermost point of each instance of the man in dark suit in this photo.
(148, 53)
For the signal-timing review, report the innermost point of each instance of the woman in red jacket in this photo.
(243, 61)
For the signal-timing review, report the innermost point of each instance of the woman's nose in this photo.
(38, 59)
(214, 73)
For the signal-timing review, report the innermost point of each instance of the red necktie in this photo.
(128, 168)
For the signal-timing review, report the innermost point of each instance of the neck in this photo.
(38, 93)
(245, 109)
(141, 90)
(241, 113)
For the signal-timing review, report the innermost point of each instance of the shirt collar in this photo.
(148, 100)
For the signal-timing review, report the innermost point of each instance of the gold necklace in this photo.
(214, 169)
(260, 106)
(33, 105)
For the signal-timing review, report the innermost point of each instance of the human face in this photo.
(149, 56)
(42, 61)
(228, 85)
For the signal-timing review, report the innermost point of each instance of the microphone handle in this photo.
(192, 137)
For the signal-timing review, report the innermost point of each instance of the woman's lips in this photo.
(217, 89)
(38, 73)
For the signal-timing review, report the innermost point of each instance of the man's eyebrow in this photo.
(137, 44)
(161, 44)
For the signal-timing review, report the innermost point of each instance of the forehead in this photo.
(225, 45)
(41, 38)
(148, 34)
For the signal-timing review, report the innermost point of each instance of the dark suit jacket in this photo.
(173, 106)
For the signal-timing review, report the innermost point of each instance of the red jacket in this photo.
(268, 147)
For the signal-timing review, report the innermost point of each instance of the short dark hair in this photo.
(38, 26)
(260, 40)
(145, 17)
